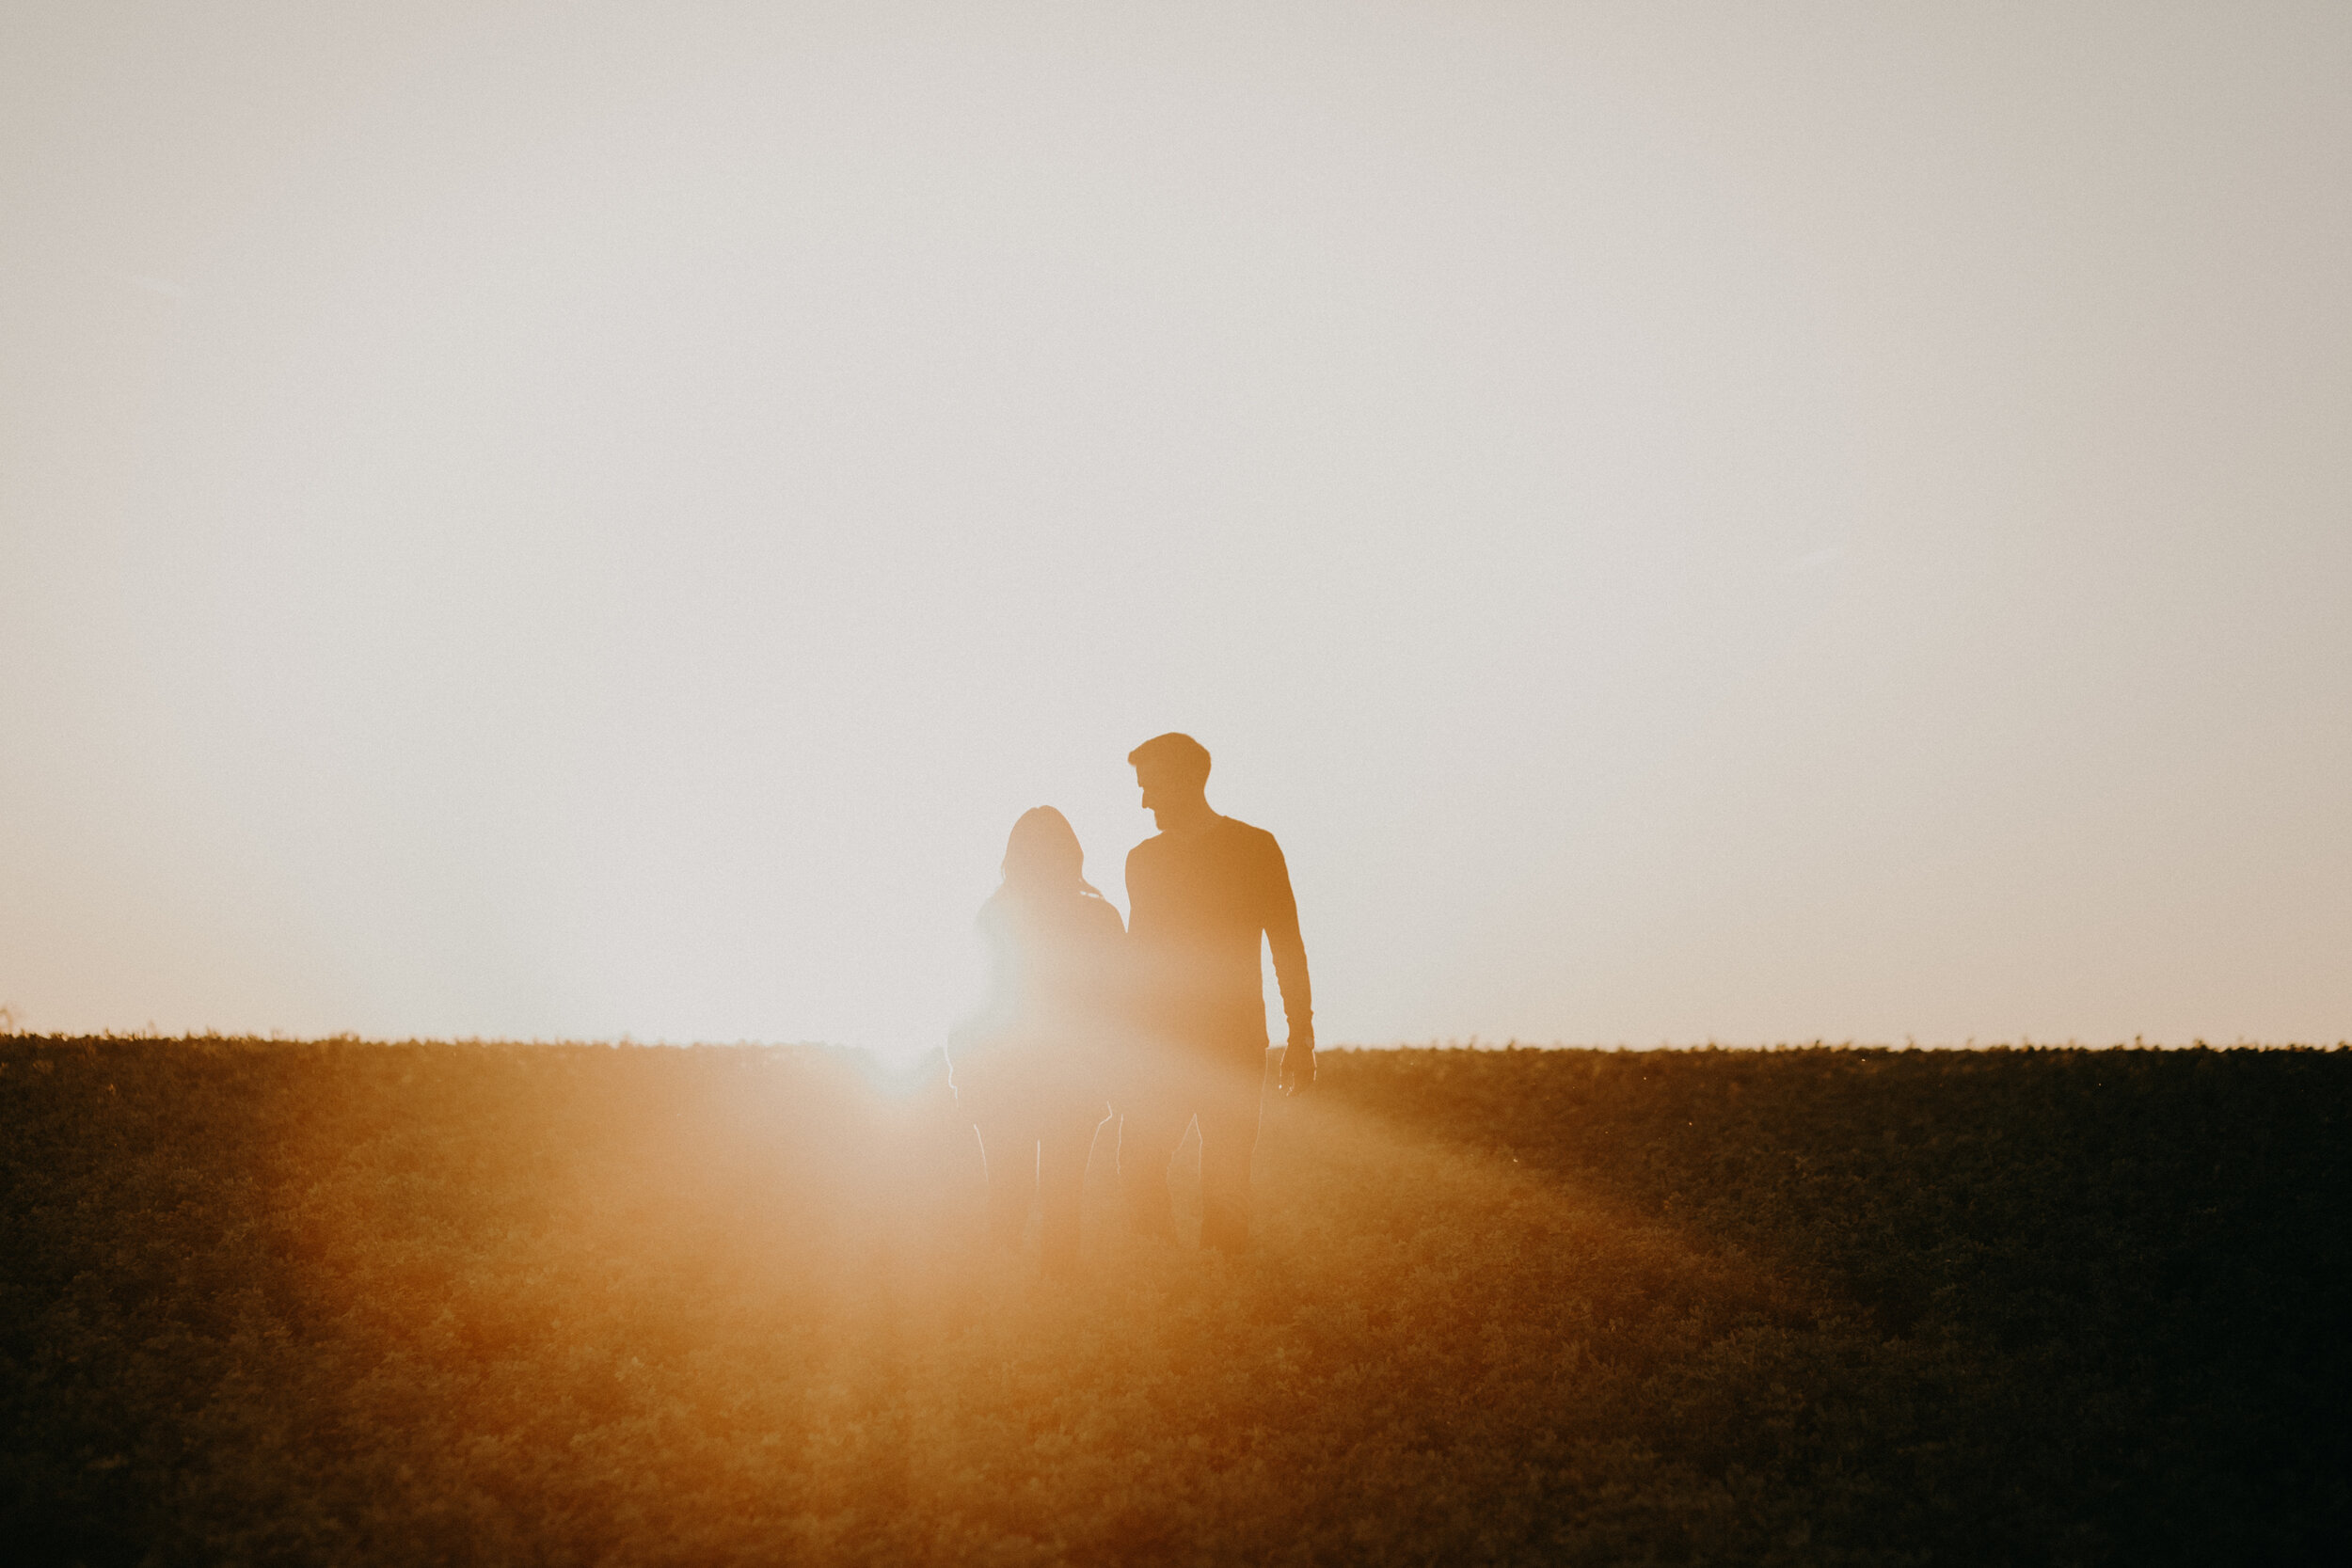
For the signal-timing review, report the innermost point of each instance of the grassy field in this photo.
(349, 1302)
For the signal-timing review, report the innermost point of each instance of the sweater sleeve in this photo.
(1289, 948)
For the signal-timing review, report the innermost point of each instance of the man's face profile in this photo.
(1166, 795)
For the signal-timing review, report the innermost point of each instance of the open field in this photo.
(274, 1303)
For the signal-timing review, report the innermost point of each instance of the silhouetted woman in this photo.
(1031, 1070)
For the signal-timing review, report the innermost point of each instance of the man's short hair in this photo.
(1177, 756)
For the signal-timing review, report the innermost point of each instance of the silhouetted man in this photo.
(1200, 896)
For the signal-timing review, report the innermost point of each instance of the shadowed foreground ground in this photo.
(345, 1303)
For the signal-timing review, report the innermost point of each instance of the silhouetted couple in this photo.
(1162, 1023)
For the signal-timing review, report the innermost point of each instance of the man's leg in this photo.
(1228, 1099)
(1151, 1121)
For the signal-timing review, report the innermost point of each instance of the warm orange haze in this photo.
(1745, 522)
(740, 745)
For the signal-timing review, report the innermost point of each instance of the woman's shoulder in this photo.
(1086, 910)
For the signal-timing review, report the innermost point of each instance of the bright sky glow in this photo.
(1747, 522)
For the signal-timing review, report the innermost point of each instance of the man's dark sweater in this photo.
(1200, 897)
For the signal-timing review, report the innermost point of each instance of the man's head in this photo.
(1173, 770)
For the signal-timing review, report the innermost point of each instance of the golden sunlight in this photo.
(736, 741)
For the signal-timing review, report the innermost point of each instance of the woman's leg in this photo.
(1061, 1177)
(1010, 1147)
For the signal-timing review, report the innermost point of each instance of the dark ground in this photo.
(271, 1303)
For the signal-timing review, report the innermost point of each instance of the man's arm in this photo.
(1290, 972)
(1140, 895)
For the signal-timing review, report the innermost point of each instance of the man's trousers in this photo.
(1219, 1090)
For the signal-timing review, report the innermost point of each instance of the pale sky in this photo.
(1743, 521)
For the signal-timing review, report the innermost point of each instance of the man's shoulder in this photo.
(1251, 840)
(1225, 837)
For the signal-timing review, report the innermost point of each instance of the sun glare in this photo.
(901, 1074)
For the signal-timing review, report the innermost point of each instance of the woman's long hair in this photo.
(1043, 858)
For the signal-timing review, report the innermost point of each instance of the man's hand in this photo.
(1298, 1064)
